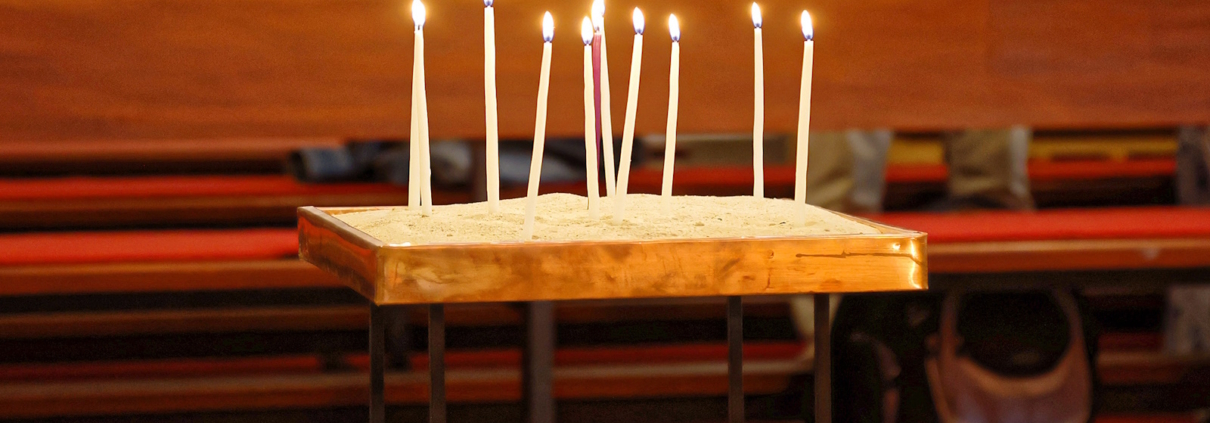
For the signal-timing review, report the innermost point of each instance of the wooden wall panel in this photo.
(190, 69)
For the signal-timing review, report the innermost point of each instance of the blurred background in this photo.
(153, 153)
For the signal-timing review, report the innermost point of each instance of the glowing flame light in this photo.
(674, 28)
(756, 21)
(598, 14)
(548, 27)
(586, 31)
(488, 3)
(808, 30)
(639, 23)
(418, 13)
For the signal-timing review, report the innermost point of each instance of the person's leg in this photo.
(869, 151)
(845, 172)
(1193, 165)
(829, 171)
(987, 168)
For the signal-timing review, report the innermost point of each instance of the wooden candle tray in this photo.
(892, 260)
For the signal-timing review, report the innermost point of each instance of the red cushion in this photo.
(172, 186)
(147, 246)
(257, 244)
(1115, 223)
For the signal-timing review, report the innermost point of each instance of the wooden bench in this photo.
(149, 201)
(599, 373)
(984, 242)
(99, 202)
(142, 155)
(1066, 184)
(476, 377)
(148, 261)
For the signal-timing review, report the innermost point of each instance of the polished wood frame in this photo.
(894, 259)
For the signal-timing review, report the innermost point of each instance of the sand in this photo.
(564, 217)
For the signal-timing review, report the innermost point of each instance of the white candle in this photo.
(426, 173)
(632, 104)
(674, 89)
(598, 16)
(758, 116)
(590, 123)
(535, 165)
(489, 96)
(414, 181)
(804, 114)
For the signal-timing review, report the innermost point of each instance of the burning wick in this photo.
(535, 164)
(758, 107)
(674, 90)
(804, 116)
(590, 123)
(424, 173)
(632, 104)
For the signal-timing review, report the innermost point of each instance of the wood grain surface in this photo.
(197, 69)
(890, 260)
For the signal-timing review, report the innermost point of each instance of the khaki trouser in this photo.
(846, 172)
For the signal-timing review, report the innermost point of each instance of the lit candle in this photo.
(758, 116)
(590, 123)
(674, 89)
(426, 173)
(632, 104)
(804, 113)
(489, 94)
(535, 165)
(598, 22)
(414, 179)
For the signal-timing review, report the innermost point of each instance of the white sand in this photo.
(564, 217)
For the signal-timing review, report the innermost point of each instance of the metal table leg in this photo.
(398, 338)
(537, 371)
(735, 359)
(377, 351)
(436, 363)
(823, 359)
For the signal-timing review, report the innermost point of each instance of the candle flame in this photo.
(488, 3)
(548, 27)
(639, 23)
(756, 21)
(598, 14)
(418, 13)
(586, 31)
(674, 28)
(808, 30)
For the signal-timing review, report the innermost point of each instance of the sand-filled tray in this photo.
(685, 247)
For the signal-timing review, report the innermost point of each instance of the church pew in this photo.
(149, 261)
(1073, 239)
(1122, 353)
(98, 202)
(25, 157)
(349, 317)
(1053, 184)
(598, 373)
(474, 377)
(582, 374)
(1130, 369)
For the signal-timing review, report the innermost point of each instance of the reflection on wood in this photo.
(392, 274)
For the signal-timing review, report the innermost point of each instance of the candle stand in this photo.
(538, 273)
